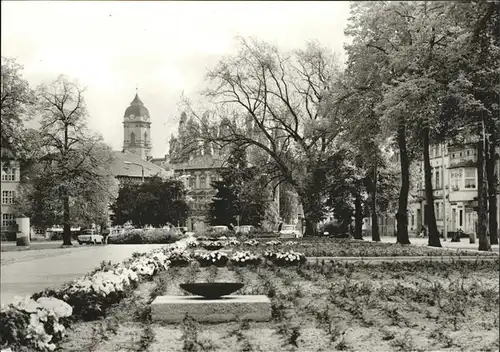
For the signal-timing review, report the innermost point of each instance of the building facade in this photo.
(455, 190)
(10, 181)
(198, 167)
(137, 129)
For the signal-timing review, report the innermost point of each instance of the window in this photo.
(438, 184)
(436, 211)
(7, 197)
(203, 182)
(461, 218)
(9, 174)
(456, 179)
(8, 220)
(192, 181)
(470, 178)
(432, 179)
(132, 138)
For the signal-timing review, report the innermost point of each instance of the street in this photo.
(27, 272)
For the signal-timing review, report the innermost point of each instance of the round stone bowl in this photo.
(212, 290)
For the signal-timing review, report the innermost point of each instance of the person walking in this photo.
(105, 233)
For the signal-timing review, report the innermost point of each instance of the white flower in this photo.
(26, 304)
(58, 327)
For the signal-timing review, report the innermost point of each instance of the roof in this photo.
(121, 168)
(199, 163)
(136, 108)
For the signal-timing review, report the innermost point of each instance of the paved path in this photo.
(463, 244)
(27, 272)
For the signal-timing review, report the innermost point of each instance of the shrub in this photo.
(335, 230)
(8, 236)
(141, 236)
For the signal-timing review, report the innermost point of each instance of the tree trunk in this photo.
(311, 228)
(482, 194)
(492, 179)
(431, 216)
(402, 214)
(358, 218)
(66, 221)
(311, 208)
(375, 231)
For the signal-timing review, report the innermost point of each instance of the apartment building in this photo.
(455, 190)
(10, 181)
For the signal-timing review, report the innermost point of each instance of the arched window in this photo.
(145, 137)
(132, 138)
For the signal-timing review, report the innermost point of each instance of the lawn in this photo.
(321, 306)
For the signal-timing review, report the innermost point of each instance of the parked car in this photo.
(288, 231)
(219, 228)
(182, 230)
(244, 229)
(90, 236)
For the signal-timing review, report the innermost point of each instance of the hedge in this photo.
(142, 236)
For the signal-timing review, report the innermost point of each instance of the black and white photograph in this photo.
(250, 176)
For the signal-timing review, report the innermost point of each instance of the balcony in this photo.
(464, 161)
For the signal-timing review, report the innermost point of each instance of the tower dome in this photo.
(137, 129)
(137, 108)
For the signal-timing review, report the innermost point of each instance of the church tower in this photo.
(136, 128)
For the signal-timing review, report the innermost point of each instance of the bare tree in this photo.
(273, 102)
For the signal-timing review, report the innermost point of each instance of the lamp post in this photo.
(142, 168)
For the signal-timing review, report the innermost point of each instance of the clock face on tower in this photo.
(131, 117)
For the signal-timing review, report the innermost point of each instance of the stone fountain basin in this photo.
(211, 290)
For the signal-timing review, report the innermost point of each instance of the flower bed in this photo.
(285, 258)
(39, 322)
(179, 257)
(244, 258)
(213, 246)
(325, 247)
(216, 258)
(327, 306)
(252, 243)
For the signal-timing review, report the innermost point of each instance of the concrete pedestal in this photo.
(173, 309)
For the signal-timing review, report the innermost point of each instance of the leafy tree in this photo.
(241, 192)
(282, 96)
(475, 92)
(17, 98)
(40, 195)
(155, 202)
(75, 162)
(378, 29)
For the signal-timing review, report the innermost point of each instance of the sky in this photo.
(163, 48)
